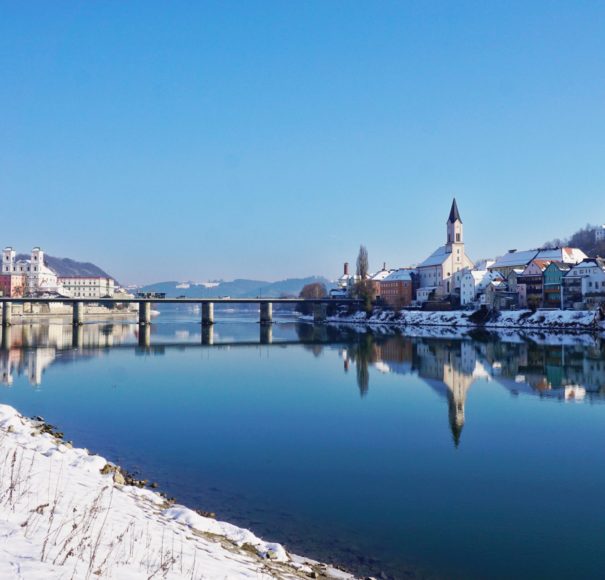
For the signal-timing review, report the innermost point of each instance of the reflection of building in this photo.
(30, 349)
(450, 367)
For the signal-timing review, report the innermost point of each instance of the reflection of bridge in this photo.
(319, 305)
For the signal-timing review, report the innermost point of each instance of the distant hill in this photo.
(69, 267)
(240, 288)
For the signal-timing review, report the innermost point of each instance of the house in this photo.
(13, 285)
(438, 270)
(599, 233)
(397, 289)
(585, 284)
(473, 283)
(533, 279)
(553, 282)
(87, 286)
(376, 279)
(520, 260)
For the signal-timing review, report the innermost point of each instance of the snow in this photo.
(64, 514)
(541, 319)
(436, 258)
(401, 274)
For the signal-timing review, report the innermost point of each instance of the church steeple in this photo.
(454, 228)
(454, 213)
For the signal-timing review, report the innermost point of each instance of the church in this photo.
(436, 274)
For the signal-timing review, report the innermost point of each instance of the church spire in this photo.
(454, 213)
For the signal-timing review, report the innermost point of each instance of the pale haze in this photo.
(267, 140)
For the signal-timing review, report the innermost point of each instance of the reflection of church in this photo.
(451, 366)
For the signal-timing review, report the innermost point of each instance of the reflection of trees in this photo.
(363, 353)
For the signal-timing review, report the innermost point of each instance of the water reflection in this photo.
(565, 367)
(571, 370)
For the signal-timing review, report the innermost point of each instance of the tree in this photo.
(310, 291)
(362, 263)
(364, 289)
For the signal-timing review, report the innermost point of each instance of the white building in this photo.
(87, 286)
(474, 283)
(599, 233)
(587, 276)
(40, 278)
(438, 271)
(43, 280)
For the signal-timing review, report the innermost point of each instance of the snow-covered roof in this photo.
(397, 275)
(380, 275)
(514, 259)
(436, 258)
(567, 255)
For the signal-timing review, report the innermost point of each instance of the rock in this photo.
(153, 485)
(118, 478)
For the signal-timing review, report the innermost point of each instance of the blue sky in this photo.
(204, 140)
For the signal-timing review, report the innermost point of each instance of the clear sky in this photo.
(204, 140)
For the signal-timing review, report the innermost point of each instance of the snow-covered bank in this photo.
(65, 513)
(521, 319)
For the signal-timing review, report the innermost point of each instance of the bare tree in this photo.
(362, 262)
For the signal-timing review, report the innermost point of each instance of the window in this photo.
(457, 237)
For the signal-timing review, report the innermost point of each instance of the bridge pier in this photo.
(207, 334)
(320, 312)
(76, 337)
(145, 335)
(7, 314)
(144, 313)
(266, 313)
(77, 313)
(207, 313)
(6, 338)
(266, 334)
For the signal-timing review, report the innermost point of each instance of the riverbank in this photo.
(65, 513)
(570, 320)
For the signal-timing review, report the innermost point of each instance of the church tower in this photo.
(455, 233)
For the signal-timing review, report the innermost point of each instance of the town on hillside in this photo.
(550, 278)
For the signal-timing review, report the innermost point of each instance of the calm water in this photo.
(430, 457)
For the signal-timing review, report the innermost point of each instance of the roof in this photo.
(397, 275)
(454, 213)
(568, 255)
(514, 259)
(381, 275)
(436, 258)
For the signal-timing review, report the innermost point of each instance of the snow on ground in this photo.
(541, 319)
(65, 513)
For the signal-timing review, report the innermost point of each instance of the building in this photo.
(599, 233)
(397, 289)
(436, 273)
(87, 286)
(553, 283)
(584, 284)
(473, 284)
(40, 279)
(13, 285)
(533, 279)
(520, 260)
(377, 278)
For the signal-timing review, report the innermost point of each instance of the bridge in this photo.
(319, 306)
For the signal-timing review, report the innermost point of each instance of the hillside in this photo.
(584, 239)
(69, 267)
(240, 288)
